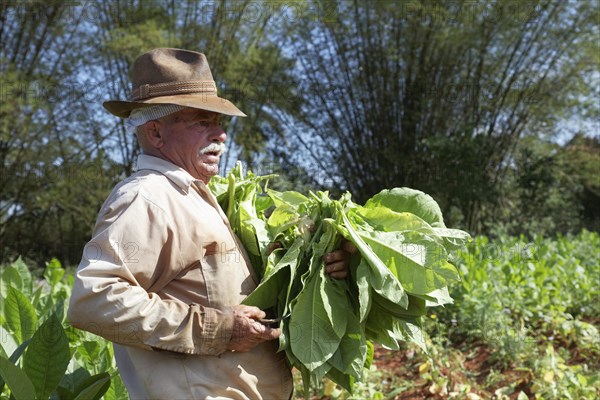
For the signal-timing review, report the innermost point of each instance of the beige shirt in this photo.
(159, 278)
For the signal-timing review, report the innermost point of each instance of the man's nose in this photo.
(217, 134)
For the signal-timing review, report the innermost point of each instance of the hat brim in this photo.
(200, 101)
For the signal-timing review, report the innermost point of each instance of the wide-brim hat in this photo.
(172, 76)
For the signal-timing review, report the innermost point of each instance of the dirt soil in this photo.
(470, 369)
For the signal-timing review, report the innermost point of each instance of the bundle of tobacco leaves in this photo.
(329, 325)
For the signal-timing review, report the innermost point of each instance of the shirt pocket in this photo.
(223, 268)
(188, 286)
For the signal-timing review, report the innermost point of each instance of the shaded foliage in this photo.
(53, 169)
(61, 152)
(436, 95)
(441, 96)
(554, 188)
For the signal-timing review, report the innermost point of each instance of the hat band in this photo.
(174, 88)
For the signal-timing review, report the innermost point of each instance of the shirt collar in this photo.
(176, 174)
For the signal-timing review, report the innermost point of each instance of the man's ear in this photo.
(153, 134)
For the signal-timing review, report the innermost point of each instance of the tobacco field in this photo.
(524, 325)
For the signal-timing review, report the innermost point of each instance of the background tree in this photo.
(61, 152)
(554, 188)
(434, 95)
(53, 167)
(464, 100)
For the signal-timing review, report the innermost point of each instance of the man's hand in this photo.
(247, 331)
(336, 262)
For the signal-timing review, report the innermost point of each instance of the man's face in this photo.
(193, 140)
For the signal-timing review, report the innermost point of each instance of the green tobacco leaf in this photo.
(14, 358)
(438, 297)
(416, 306)
(409, 200)
(10, 278)
(218, 186)
(117, 390)
(453, 238)
(258, 227)
(72, 380)
(20, 315)
(231, 203)
(312, 338)
(403, 246)
(8, 343)
(62, 393)
(363, 279)
(409, 329)
(59, 308)
(379, 327)
(418, 261)
(387, 220)
(305, 378)
(263, 203)
(284, 343)
(319, 373)
(253, 234)
(47, 357)
(286, 294)
(370, 354)
(383, 280)
(350, 356)
(333, 291)
(265, 295)
(94, 387)
(53, 272)
(25, 274)
(43, 304)
(16, 275)
(282, 218)
(89, 352)
(344, 380)
(335, 302)
(18, 382)
(290, 198)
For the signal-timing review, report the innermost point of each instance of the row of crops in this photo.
(524, 325)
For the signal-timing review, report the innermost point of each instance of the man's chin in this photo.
(210, 170)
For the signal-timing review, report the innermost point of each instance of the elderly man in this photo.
(163, 275)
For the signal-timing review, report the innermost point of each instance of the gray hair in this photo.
(142, 115)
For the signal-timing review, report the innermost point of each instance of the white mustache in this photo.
(213, 148)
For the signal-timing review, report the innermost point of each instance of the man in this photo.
(163, 275)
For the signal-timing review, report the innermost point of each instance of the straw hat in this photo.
(172, 76)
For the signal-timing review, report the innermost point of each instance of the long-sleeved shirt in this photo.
(159, 278)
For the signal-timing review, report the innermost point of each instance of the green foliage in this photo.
(346, 95)
(20, 315)
(17, 380)
(403, 243)
(47, 357)
(515, 331)
(515, 294)
(533, 304)
(548, 188)
(40, 357)
(60, 152)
